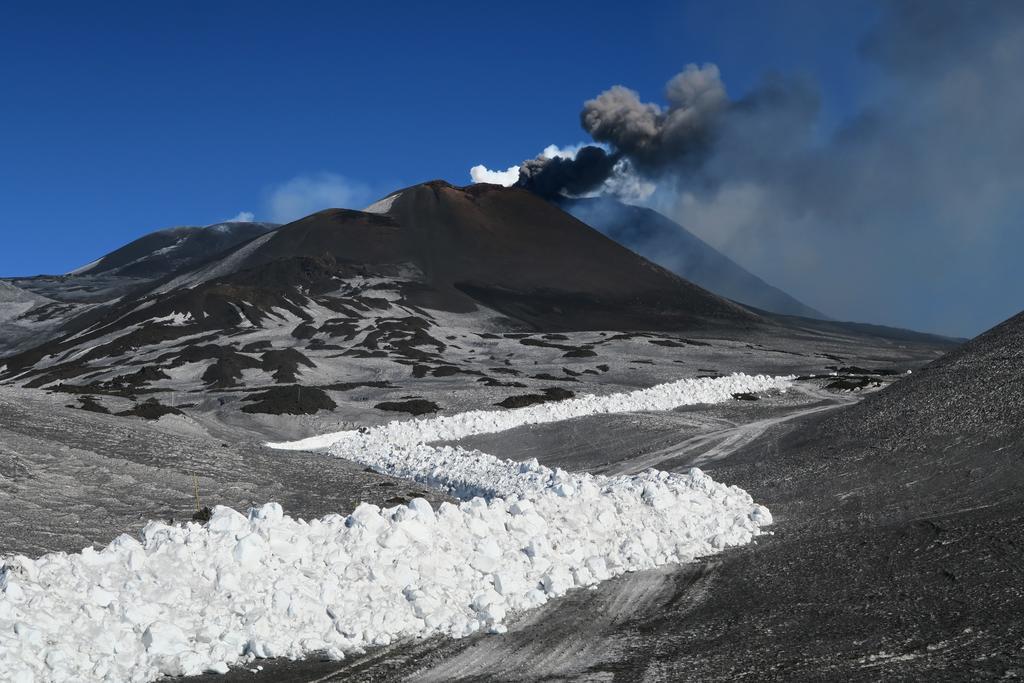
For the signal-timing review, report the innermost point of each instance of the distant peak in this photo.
(438, 183)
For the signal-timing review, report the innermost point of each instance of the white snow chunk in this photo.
(162, 638)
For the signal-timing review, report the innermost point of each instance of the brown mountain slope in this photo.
(511, 251)
(341, 274)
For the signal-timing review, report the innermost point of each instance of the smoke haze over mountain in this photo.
(898, 215)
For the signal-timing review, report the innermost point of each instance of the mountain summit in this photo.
(512, 251)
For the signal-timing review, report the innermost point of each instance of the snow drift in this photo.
(193, 598)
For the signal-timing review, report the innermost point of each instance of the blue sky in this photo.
(120, 118)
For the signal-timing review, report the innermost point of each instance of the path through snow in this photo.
(194, 598)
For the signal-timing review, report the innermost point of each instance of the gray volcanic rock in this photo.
(900, 537)
(27, 317)
(672, 246)
(166, 251)
(34, 310)
(896, 553)
(972, 396)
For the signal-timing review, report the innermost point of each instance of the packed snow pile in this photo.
(452, 427)
(193, 598)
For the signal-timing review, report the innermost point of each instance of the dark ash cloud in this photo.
(680, 137)
(652, 136)
(646, 135)
(552, 176)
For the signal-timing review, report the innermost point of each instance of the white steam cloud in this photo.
(510, 176)
(482, 174)
(622, 181)
(308, 194)
(242, 217)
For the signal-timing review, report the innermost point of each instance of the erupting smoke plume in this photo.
(650, 136)
(651, 141)
(550, 177)
(643, 135)
(920, 185)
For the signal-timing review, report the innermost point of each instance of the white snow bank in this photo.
(193, 598)
(453, 427)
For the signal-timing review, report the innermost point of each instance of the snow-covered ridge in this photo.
(193, 598)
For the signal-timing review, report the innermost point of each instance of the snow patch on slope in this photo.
(174, 319)
(81, 270)
(193, 598)
(383, 205)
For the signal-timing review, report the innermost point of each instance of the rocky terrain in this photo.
(896, 551)
(147, 391)
(435, 283)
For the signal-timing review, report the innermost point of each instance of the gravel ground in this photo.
(897, 554)
(872, 573)
(71, 478)
(884, 563)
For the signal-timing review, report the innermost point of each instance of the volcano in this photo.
(493, 257)
(151, 378)
(665, 242)
(343, 293)
(508, 250)
(503, 248)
